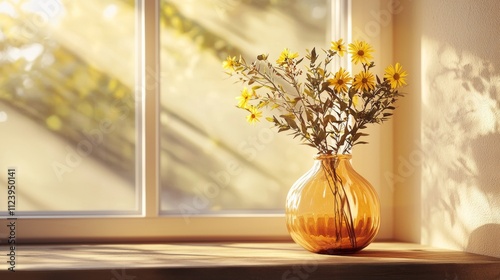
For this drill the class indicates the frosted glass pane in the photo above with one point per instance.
(68, 116)
(212, 161)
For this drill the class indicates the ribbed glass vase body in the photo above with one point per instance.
(332, 209)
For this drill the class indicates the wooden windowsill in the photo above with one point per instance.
(238, 261)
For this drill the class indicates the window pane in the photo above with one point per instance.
(211, 160)
(68, 116)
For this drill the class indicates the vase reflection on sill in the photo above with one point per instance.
(332, 209)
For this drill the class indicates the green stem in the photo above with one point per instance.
(268, 80)
(341, 201)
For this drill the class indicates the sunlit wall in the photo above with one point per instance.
(449, 138)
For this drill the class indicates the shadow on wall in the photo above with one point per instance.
(461, 136)
(484, 240)
(486, 151)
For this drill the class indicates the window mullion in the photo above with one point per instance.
(150, 87)
(341, 28)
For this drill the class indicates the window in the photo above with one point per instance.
(211, 161)
(68, 94)
(173, 163)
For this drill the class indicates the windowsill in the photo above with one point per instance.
(388, 260)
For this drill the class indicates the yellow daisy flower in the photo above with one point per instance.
(340, 80)
(285, 56)
(395, 75)
(229, 63)
(364, 81)
(360, 51)
(243, 98)
(339, 47)
(254, 115)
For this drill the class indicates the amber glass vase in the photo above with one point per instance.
(332, 209)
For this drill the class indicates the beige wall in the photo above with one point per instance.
(447, 132)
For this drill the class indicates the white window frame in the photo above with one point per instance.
(150, 225)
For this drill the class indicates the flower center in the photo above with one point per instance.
(252, 116)
(361, 53)
(396, 76)
(340, 82)
(364, 80)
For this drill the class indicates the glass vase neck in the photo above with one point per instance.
(333, 157)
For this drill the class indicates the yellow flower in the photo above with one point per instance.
(243, 98)
(340, 80)
(395, 75)
(285, 56)
(339, 47)
(355, 100)
(254, 115)
(364, 81)
(360, 51)
(229, 63)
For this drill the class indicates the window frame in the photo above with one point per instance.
(149, 225)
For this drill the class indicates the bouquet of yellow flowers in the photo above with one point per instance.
(331, 208)
(326, 109)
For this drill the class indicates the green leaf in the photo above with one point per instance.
(328, 120)
(309, 116)
(290, 120)
(328, 104)
(283, 128)
(342, 105)
(324, 86)
(314, 56)
(303, 128)
(320, 137)
(342, 139)
(262, 56)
